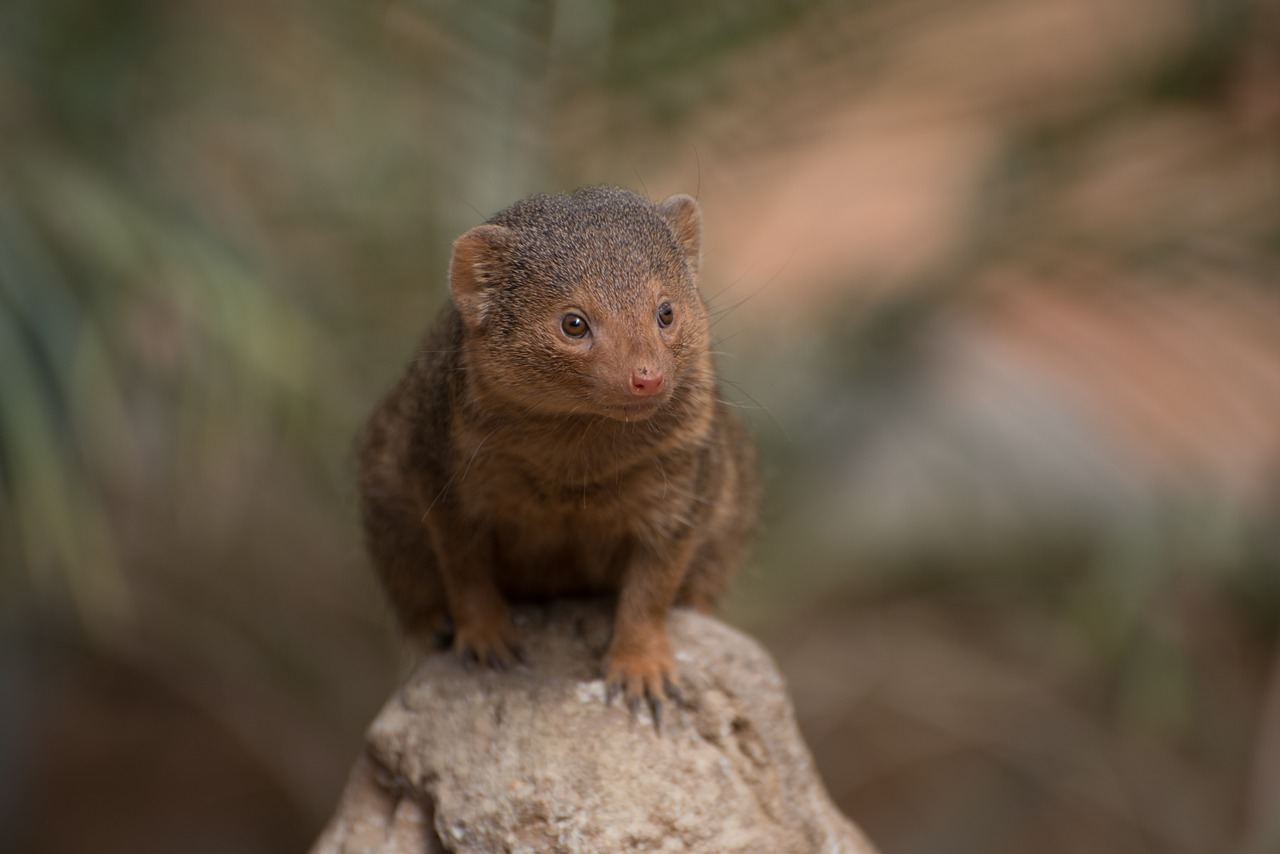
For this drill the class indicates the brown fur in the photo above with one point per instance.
(514, 462)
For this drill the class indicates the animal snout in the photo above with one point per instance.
(645, 383)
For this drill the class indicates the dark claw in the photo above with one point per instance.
(633, 704)
(611, 692)
(469, 657)
(673, 691)
(495, 661)
(518, 653)
(655, 708)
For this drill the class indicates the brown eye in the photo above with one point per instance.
(574, 325)
(666, 314)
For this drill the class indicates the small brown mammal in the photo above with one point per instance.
(562, 432)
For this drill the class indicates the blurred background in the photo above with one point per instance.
(996, 284)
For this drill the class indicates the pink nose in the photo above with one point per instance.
(646, 386)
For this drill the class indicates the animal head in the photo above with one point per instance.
(585, 303)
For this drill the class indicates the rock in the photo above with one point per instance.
(467, 760)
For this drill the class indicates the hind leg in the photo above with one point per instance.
(418, 599)
(406, 565)
(483, 629)
(710, 570)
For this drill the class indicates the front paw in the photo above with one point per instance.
(492, 641)
(644, 672)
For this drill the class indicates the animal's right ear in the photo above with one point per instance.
(477, 262)
(685, 220)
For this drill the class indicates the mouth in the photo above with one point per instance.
(637, 411)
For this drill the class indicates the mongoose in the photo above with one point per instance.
(562, 432)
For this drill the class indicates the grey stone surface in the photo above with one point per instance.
(467, 760)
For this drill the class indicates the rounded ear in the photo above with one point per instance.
(682, 215)
(474, 269)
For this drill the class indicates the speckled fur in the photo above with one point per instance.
(513, 463)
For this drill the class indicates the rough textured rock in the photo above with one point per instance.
(473, 761)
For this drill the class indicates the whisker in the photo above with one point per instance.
(476, 452)
(727, 339)
(697, 193)
(719, 314)
(760, 406)
(636, 170)
(665, 482)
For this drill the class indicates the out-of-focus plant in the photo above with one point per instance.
(133, 341)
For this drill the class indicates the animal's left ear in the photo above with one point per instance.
(474, 270)
(682, 215)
